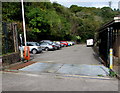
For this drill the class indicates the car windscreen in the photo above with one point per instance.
(37, 44)
(62, 42)
(43, 43)
(50, 42)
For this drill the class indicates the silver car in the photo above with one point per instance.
(50, 43)
(46, 46)
(34, 47)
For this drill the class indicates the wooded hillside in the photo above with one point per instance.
(45, 20)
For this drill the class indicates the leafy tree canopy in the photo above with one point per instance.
(46, 20)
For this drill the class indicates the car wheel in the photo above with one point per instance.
(34, 51)
(55, 48)
(46, 49)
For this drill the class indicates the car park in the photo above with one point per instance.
(34, 47)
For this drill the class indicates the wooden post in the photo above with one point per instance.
(119, 51)
(15, 37)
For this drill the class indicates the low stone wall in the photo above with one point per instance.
(10, 59)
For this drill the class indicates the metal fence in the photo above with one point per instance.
(9, 38)
(103, 45)
(0, 39)
(109, 38)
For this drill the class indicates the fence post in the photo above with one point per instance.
(108, 41)
(17, 49)
(5, 37)
(15, 36)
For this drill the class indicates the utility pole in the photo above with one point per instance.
(23, 16)
(110, 3)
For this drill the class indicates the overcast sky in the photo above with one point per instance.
(88, 3)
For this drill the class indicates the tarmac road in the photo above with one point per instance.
(78, 54)
(30, 82)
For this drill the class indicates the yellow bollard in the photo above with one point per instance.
(111, 58)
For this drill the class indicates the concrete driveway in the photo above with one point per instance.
(75, 60)
(61, 70)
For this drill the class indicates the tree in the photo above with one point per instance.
(11, 11)
(46, 20)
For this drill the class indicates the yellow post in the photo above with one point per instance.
(111, 58)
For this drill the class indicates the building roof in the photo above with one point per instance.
(114, 23)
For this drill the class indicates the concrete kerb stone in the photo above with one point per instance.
(89, 77)
(9, 66)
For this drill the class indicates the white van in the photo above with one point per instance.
(89, 42)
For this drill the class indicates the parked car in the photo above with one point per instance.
(70, 43)
(73, 42)
(46, 46)
(64, 43)
(34, 47)
(58, 42)
(57, 45)
(51, 43)
(48, 41)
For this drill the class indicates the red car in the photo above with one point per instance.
(64, 43)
